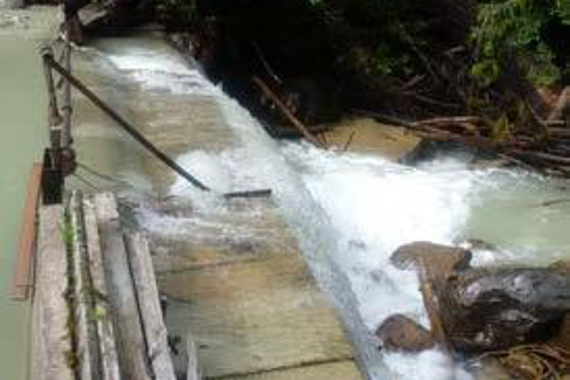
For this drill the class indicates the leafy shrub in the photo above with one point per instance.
(514, 30)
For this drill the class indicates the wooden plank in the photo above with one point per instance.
(156, 336)
(23, 273)
(340, 370)
(126, 321)
(253, 316)
(86, 344)
(51, 344)
(107, 347)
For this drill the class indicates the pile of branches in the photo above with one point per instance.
(544, 147)
(534, 361)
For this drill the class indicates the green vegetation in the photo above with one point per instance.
(517, 30)
(413, 58)
(69, 237)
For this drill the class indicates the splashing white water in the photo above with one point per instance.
(161, 70)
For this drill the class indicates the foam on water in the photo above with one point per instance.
(375, 206)
(348, 212)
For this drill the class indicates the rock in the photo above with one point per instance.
(498, 308)
(432, 260)
(475, 310)
(429, 150)
(398, 332)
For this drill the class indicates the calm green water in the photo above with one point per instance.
(22, 121)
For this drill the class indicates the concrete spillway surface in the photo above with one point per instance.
(221, 263)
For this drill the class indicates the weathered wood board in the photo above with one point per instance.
(23, 273)
(50, 334)
(121, 293)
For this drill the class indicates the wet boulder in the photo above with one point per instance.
(430, 259)
(400, 333)
(493, 309)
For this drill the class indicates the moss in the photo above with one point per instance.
(69, 237)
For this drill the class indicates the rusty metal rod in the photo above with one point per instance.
(66, 102)
(124, 124)
(248, 194)
(53, 111)
(139, 137)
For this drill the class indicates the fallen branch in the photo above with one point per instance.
(430, 101)
(348, 142)
(450, 120)
(541, 156)
(562, 106)
(287, 112)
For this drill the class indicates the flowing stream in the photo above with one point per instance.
(349, 211)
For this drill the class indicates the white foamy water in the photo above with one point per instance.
(161, 70)
(375, 206)
(351, 211)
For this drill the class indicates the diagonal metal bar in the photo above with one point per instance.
(123, 123)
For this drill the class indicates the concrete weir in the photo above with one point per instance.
(243, 306)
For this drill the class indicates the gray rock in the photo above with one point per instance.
(431, 260)
(503, 307)
(398, 332)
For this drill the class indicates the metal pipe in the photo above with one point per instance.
(124, 124)
(139, 137)
(66, 106)
(53, 111)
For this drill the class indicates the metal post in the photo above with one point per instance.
(52, 178)
(66, 106)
